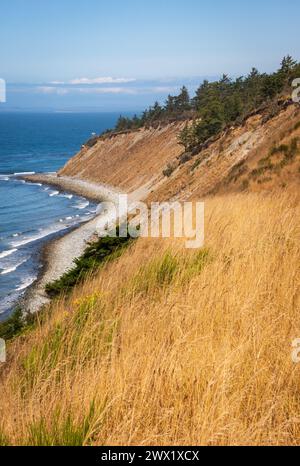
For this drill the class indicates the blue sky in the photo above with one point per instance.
(131, 52)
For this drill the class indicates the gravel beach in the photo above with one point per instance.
(59, 254)
(92, 191)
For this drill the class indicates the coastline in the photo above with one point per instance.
(58, 254)
(92, 191)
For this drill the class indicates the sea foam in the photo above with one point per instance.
(7, 253)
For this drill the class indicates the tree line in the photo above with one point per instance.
(217, 104)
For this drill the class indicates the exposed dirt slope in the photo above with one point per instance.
(127, 161)
(242, 158)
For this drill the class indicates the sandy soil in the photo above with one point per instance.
(128, 161)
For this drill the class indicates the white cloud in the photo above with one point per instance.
(101, 80)
(83, 90)
(104, 80)
(57, 82)
(52, 90)
(107, 90)
(93, 90)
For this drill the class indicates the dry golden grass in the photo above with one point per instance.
(168, 346)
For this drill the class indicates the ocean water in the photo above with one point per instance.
(31, 214)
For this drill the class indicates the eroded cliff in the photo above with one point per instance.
(259, 154)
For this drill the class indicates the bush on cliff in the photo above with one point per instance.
(16, 324)
(96, 254)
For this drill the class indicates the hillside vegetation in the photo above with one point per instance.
(166, 346)
(218, 104)
(149, 343)
(218, 141)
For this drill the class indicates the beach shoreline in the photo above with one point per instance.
(58, 254)
(92, 191)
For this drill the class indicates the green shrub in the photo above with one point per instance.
(92, 142)
(195, 264)
(3, 440)
(96, 255)
(164, 271)
(264, 161)
(156, 273)
(245, 185)
(15, 324)
(264, 180)
(12, 326)
(168, 170)
(283, 148)
(293, 149)
(196, 164)
(185, 157)
(61, 432)
(297, 126)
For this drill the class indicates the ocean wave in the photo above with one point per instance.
(68, 196)
(13, 268)
(6, 176)
(41, 235)
(24, 173)
(7, 253)
(54, 193)
(26, 283)
(81, 205)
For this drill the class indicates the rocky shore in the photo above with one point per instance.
(58, 255)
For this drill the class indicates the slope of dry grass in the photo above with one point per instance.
(169, 346)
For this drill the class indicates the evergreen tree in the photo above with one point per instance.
(200, 98)
(136, 122)
(218, 104)
(170, 105)
(185, 138)
(122, 123)
(287, 64)
(157, 111)
(182, 101)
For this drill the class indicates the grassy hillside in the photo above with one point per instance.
(169, 346)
